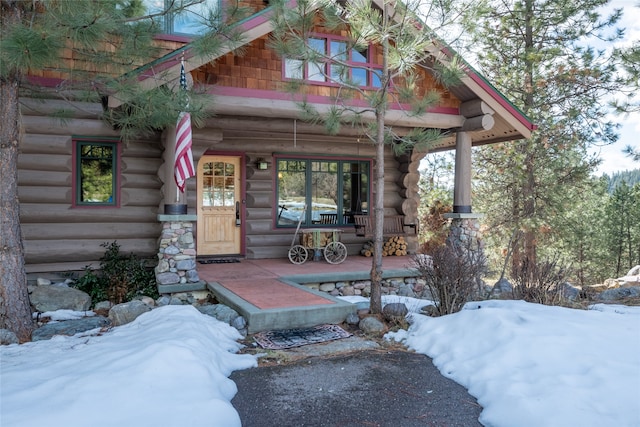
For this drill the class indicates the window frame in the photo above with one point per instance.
(330, 40)
(308, 198)
(168, 21)
(78, 143)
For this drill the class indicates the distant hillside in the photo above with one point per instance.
(631, 177)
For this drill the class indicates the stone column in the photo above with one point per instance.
(464, 231)
(177, 268)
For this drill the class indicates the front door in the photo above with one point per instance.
(219, 205)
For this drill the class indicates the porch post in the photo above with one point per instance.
(462, 180)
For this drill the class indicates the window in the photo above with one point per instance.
(190, 20)
(332, 190)
(96, 173)
(359, 66)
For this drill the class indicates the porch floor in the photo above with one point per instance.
(271, 295)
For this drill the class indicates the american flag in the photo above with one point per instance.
(183, 168)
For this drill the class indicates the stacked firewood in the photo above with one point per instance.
(393, 246)
(317, 239)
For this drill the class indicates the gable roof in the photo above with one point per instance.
(509, 123)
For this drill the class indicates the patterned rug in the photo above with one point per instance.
(217, 260)
(289, 338)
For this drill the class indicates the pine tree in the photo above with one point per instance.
(537, 52)
(406, 47)
(108, 38)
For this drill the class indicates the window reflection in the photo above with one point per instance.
(218, 184)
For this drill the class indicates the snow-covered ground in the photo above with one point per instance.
(528, 365)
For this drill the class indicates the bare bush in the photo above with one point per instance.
(539, 282)
(453, 276)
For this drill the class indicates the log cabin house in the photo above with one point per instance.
(257, 163)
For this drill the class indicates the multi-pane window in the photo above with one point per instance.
(321, 192)
(96, 173)
(341, 64)
(218, 184)
(188, 20)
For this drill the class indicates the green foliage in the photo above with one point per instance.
(623, 228)
(121, 277)
(538, 52)
(631, 178)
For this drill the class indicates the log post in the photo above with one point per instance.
(462, 180)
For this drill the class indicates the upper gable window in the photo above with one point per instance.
(190, 20)
(359, 67)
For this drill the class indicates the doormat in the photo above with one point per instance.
(218, 260)
(289, 338)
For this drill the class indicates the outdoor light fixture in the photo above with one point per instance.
(262, 164)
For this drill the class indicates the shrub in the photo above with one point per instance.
(453, 276)
(539, 282)
(121, 278)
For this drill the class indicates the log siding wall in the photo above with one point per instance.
(70, 237)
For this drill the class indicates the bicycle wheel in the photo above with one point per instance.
(298, 254)
(335, 252)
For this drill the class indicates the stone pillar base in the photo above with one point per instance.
(464, 231)
(176, 267)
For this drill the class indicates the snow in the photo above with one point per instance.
(169, 367)
(535, 365)
(527, 364)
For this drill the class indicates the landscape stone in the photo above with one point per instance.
(167, 278)
(7, 337)
(619, 293)
(221, 312)
(371, 325)
(52, 298)
(569, 292)
(395, 311)
(352, 319)
(127, 312)
(41, 281)
(69, 327)
(103, 305)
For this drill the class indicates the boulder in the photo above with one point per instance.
(8, 337)
(127, 312)
(220, 311)
(395, 311)
(619, 293)
(69, 327)
(371, 325)
(502, 287)
(52, 298)
(352, 319)
(570, 292)
(635, 271)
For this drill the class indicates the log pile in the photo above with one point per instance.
(393, 246)
(317, 239)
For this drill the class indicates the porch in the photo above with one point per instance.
(276, 294)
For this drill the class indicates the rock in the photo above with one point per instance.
(371, 325)
(167, 278)
(327, 287)
(619, 293)
(8, 337)
(239, 323)
(502, 287)
(147, 300)
(406, 291)
(52, 298)
(69, 327)
(569, 292)
(127, 312)
(103, 305)
(221, 312)
(429, 310)
(395, 311)
(41, 281)
(352, 319)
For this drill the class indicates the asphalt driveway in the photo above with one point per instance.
(372, 387)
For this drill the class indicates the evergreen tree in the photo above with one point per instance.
(108, 38)
(537, 52)
(623, 229)
(406, 43)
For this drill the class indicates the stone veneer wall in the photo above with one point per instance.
(414, 287)
(176, 253)
(464, 231)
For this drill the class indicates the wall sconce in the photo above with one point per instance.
(262, 164)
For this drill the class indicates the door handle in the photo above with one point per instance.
(238, 222)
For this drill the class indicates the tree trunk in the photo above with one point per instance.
(15, 310)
